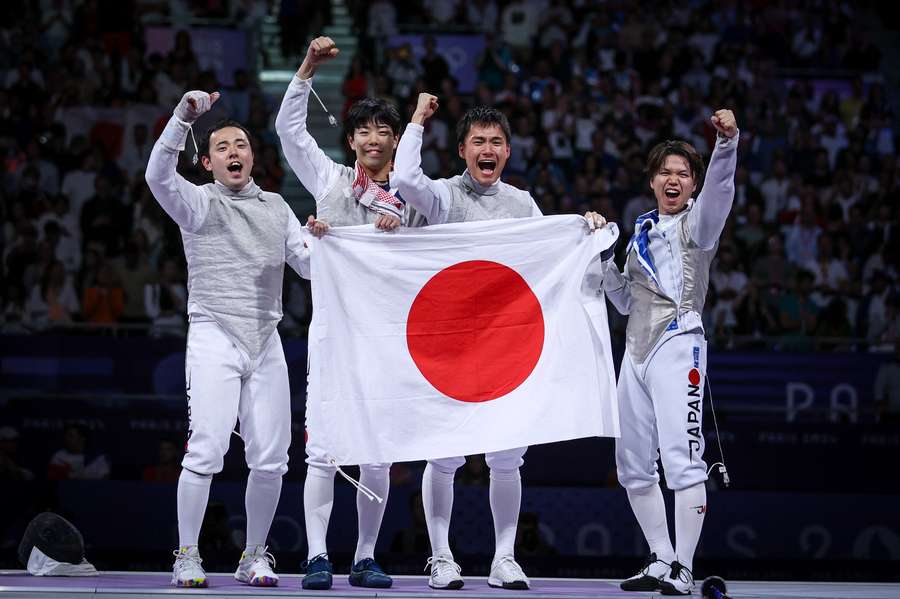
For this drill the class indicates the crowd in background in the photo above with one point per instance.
(808, 257)
(810, 253)
(83, 240)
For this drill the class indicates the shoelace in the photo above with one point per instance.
(306, 564)
(264, 555)
(369, 564)
(515, 565)
(183, 560)
(682, 574)
(652, 559)
(441, 563)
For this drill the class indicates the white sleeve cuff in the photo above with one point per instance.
(174, 134)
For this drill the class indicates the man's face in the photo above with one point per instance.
(374, 145)
(673, 184)
(230, 157)
(485, 151)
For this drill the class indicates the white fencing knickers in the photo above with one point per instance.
(224, 386)
(661, 414)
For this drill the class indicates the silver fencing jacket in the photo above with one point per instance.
(455, 200)
(329, 183)
(671, 299)
(235, 242)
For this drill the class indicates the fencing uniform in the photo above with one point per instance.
(463, 199)
(660, 387)
(236, 244)
(331, 184)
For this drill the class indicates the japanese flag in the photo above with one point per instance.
(458, 339)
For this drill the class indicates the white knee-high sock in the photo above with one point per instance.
(260, 501)
(369, 513)
(318, 498)
(650, 510)
(437, 500)
(506, 500)
(690, 510)
(193, 495)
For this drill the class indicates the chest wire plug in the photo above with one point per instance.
(331, 120)
(196, 149)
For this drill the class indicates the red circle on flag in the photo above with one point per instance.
(475, 330)
(694, 376)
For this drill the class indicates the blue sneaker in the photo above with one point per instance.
(318, 572)
(367, 573)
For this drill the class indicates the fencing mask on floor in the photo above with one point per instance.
(52, 546)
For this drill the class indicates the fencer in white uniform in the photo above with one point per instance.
(344, 196)
(477, 194)
(662, 290)
(237, 239)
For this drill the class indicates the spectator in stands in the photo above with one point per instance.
(442, 12)
(750, 234)
(797, 313)
(434, 67)
(104, 217)
(10, 469)
(134, 272)
(53, 301)
(730, 284)
(754, 315)
(403, 71)
(829, 270)
(78, 183)
(482, 15)
(874, 317)
(166, 301)
(73, 462)
(57, 233)
(14, 317)
(168, 466)
(519, 24)
(802, 237)
(104, 299)
(136, 153)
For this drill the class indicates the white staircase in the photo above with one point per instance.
(274, 79)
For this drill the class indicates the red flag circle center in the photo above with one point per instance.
(475, 330)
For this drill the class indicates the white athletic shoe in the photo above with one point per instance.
(648, 579)
(506, 573)
(680, 581)
(445, 573)
(257, 568)
(187, 571)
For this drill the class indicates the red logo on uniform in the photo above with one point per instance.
(694, 376)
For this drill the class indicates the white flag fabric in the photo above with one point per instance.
(458, 339)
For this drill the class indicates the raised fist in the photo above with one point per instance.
(193, 104)
(724, 122)
(426, 106)
(321, 50)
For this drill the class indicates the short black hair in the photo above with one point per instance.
(675, 148)
(372, 110)
(484, 116)
(221, 124)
